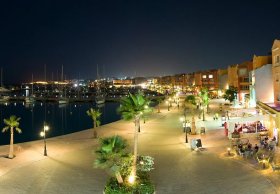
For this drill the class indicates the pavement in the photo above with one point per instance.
(68, 168)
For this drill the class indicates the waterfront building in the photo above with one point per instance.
(180, 81)
(238, 77)
(207, 79)
(222, 81)
(260, 80)
(276, 70)
(122, 82)
(167, 84)
(190, 82)
(272, 106)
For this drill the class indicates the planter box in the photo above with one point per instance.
(104, 192)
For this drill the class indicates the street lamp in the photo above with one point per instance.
(43, 134)
(186, 125)
(167, 103)
(170, 102)
(228, 151)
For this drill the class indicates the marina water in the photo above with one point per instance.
(62, 119)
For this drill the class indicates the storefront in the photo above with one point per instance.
(253, 126)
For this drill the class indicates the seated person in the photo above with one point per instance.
(256, 148)
(266, 138)
(271, 145)
(249, 146)
(262, 142)
(265, 145)
(240, 146)
(241, 151)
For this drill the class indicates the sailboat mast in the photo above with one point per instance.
(1, 77)
(45, 70)
(62, 73)
(32, 85)
(97, 72)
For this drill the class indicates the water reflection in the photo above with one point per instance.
(63, 118)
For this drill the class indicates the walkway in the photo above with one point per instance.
(68, 168)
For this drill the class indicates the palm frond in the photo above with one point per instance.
(18, 130)
(5, 129)
(13, 121)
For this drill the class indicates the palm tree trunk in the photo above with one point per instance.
(193, 132)
(119, 177)
(203, 114)
(94, 130)
(137, 124)
(11, 152)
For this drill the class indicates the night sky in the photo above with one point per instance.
(131, 38)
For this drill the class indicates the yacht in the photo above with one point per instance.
(4, 98)
(29, 100)
(99, 99)
(63, 101)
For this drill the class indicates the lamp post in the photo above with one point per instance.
(186, 125)
(167, 103)
(228, 151)
(202, 112)
(43, 134)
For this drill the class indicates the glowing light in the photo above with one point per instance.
(46, 128)
(42, 134)
(131, 179)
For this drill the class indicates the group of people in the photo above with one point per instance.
(250, 150)
(247, 148)
(268, 144)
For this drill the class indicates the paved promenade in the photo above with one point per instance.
(68, 167)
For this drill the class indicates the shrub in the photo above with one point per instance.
(140, 187)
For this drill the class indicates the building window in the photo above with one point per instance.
(204, 76)
(277, 59)
(210, 76)
(244, 87)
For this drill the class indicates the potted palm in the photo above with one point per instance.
(113, 156)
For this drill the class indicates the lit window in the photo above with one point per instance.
(204, 76)
(277, 59)
(210, 76)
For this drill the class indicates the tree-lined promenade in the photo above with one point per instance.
(69, 165)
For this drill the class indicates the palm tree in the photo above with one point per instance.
(112, 155)
(159, 100)
(11, 123)
(191, 103)
(131, 108)
(204, 100)
(95, 115)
